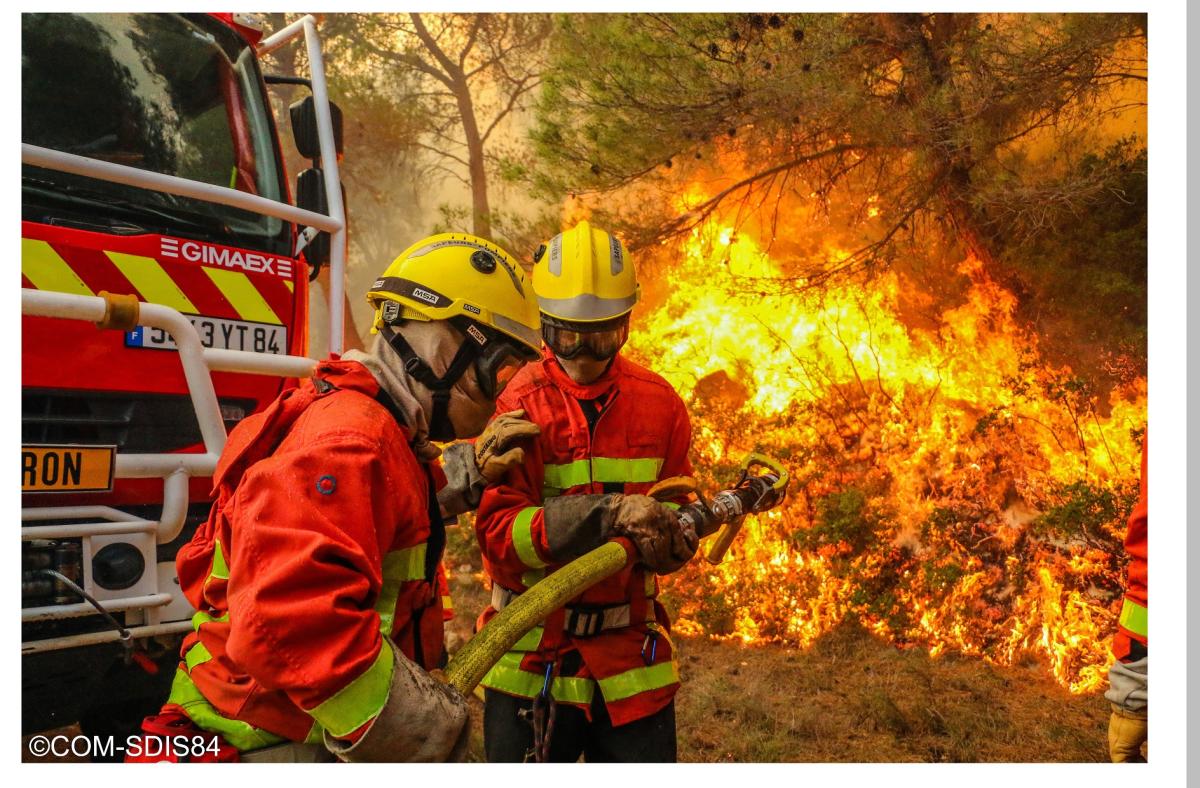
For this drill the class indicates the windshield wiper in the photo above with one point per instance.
(169, 219)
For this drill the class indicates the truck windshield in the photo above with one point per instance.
(173, 94)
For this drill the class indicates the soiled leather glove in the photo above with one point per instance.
(423, 720)
(493, 454)
(655, 531)
(1126, 735)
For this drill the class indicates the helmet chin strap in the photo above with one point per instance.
(440, 428)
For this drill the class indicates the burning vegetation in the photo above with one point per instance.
(951, 489)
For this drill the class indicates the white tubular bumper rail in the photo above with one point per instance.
(175, 469)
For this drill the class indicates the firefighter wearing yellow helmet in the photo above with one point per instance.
(476, 288)
(333, 492)
(602, 668)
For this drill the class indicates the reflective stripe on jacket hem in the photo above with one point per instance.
(638, 680)
(1134, 617)
(242, 735)
(507, 676)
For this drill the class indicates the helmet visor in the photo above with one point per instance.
(602, 343)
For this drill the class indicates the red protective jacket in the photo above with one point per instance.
(642, 434)
(1132, 624)
(319, 542)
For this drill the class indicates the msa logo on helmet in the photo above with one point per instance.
(472, 309)
(477, 335)
(425, 295)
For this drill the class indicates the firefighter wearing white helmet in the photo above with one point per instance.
(316, 573)
(610, 430)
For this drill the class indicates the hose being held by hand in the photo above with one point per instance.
(751, 495)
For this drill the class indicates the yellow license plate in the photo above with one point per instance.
(67, 468)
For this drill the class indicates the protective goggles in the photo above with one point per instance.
(601, 341)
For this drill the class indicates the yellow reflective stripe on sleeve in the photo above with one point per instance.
(220, 569)
(507, 676)
(360, 700)
(612, 470)
(650, 586)
(1134, 618)
(633, 682)
(41, 265)
(196, 655)
(242, 735)
(242, 295)
(152, 282)
(207, 618)
(670, 504)
(399, 566)
(522, 537)
(447, 603)
(562, 476)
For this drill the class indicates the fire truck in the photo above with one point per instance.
(165, 270)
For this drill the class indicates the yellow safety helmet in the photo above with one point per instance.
(476, 287)
(585, 275)
(454, 274)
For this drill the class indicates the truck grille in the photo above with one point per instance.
(135, 423)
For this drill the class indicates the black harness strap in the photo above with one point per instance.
(440, 428)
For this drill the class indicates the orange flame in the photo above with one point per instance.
(934, 471)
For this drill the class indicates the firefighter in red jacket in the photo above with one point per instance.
(598, 679)
(1127, 675)
(315, 576)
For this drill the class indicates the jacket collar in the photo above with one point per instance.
(598, 387)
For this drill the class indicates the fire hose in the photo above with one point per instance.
(752, 494)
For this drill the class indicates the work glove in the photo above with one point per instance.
(423, 720)
(1126, 735)
(469, 469)
(495, 454)
(655, 530)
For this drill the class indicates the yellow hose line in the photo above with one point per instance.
(471, 664)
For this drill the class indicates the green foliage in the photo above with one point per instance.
(842, 517)
(1086, 279)
(888, 135)
(1082, 510)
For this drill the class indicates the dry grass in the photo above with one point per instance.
(851, 698)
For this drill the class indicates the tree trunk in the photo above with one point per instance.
(922, 44)
(481, 215)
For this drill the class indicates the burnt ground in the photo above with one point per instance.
(854, 698)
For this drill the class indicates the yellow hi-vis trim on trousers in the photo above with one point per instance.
(1134, 617)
